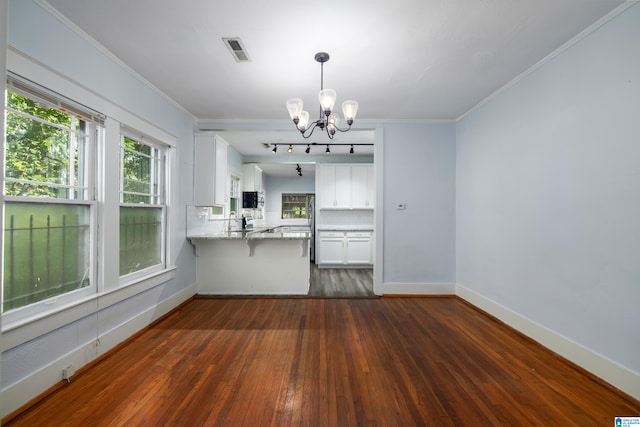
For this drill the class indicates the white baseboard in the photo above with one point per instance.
(15, 395)
(396, 288)
(616, 375)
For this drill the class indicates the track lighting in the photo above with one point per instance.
(291, 146)
(299, 170)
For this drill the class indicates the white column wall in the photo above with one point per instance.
(548, 203)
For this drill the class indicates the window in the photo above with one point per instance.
(48, 237)
(296, 205)
(142, 206)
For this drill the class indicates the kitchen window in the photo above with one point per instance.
(296, 205)
(49, 209)
(142, 205)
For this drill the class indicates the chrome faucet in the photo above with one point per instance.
(229, 220)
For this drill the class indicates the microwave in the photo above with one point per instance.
(252, 200)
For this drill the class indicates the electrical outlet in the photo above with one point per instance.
(67, 372)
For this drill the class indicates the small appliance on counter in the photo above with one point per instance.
(252, 200)
(247, 222)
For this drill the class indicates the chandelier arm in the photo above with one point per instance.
(342, 130)
(309, 130)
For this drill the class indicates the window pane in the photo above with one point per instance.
(295, 206)
(140, 238)
(47, 251)
(42, 151)
(140, 174)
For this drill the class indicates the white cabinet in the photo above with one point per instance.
(330, 247)
(344, 248)
(358, 247)
(345, 186)
(210, 170)
(251, 178)
(362, 187)
(335, 186)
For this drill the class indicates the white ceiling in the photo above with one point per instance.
(402, 59)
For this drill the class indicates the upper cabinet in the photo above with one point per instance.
(210, 170)
(362, 186)
(345, 186)
(251, 178)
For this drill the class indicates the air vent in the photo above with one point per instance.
(237, 49)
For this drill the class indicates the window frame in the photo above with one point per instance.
(161, 200)
(109, 292)
(308, 212)
(94, 137)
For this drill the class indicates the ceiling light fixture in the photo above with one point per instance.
(308, 149)
(275, 148)
(327, 150)
(351, 150)
(290, 149)
(299, 169)
(328, 120)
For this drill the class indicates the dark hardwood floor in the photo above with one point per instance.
(341, 282)
(330, 362)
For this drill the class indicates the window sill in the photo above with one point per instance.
(26, 329)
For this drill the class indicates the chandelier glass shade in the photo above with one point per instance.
(328, 120)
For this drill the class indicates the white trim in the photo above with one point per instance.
(15, 395)
(619, 376)
(378, 212)
(21, 332)
(399, 288)
(106, 52)
(577, 38)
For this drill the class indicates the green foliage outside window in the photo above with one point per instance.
(46, 245)
(40, 146)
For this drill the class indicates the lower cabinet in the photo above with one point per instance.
(344, 248)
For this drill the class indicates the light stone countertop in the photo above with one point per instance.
(252, 235)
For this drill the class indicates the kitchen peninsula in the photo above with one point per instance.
(271, 261)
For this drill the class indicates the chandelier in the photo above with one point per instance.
(328, 120)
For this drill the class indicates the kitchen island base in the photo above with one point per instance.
(252, 267)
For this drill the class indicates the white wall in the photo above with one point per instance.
(419, 242)
(274, 186)
(548, 203)
(38, 37)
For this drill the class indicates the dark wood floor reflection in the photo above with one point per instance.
(330, 362)
(341, 282)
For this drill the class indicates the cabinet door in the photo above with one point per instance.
(370, 188)
(343, 186)
(326, 186)
(210, 170)
(221, 191)
(358, 248)
(362, 186)
(331, 248)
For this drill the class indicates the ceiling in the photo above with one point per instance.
(401, 60)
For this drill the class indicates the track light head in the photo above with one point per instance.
(275, 148)
(327, 150)
(290, 149)
(308, 149)
(351, 150)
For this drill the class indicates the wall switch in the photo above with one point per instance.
(401, 206)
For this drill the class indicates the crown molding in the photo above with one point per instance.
(575, 39)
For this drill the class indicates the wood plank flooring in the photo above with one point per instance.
(341, 282)
(330, 362)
